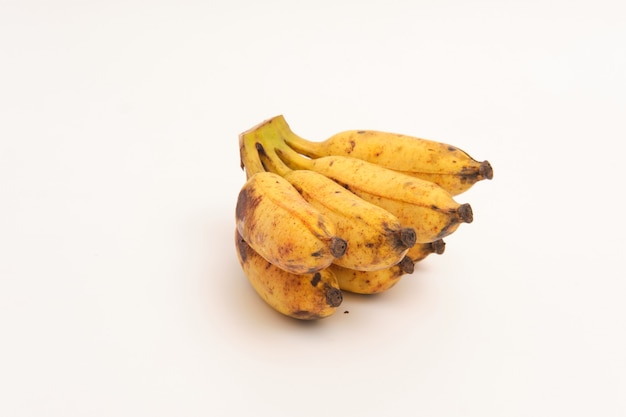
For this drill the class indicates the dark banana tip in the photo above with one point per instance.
(485, 170)
(465, 213)
(438, 246)
(334, 296)
(338, 247)
(407, 265)
(408, 237)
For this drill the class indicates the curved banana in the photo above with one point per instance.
(375, 237)
(422, 250)
(449, 167)
(283, 227)
(417, 203)
(372, 282)
(301, 296)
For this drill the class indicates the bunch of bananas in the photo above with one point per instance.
(352, 213)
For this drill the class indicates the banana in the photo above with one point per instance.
(449, 167)
(375, 237)
(417, 203)
(301, 296)
(372, 282)
(283, 227)
(422, 250)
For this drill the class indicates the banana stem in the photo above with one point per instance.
(274, 138)
(303, 146)
(261, 141)
(248, 153)
(292, 158)
(271, 161)
(268, 143)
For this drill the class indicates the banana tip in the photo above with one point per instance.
(338, 247)
(438, 246)
(407, 265)
(408, 237)
(465, 213)
(334, 297)
(485, 170)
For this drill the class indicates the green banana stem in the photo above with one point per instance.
(303, 146)
(271, 161)
(248, 154)
(290, 157)
(267, 140)
(272, 138)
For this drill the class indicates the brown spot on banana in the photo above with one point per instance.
(242, 246)
(246, 202)
(317, 277)
(448, 229)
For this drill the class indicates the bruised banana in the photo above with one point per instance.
(301, 296)
(375, 237)
(372, 282)
(417, 203)
(279, 224)
(445, 165)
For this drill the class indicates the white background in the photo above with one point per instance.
(120, 291)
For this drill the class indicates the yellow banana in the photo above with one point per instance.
(375, 237)
(301, 296)
(417, 203)
(422, 250)
(443, 164)
(283, 227)
(371, 282)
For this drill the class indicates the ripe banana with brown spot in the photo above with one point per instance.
(417, 203)
(301, 296)
(375, 238)
(283, 227)
(421, 250)
(372, 282)
(443, 164)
